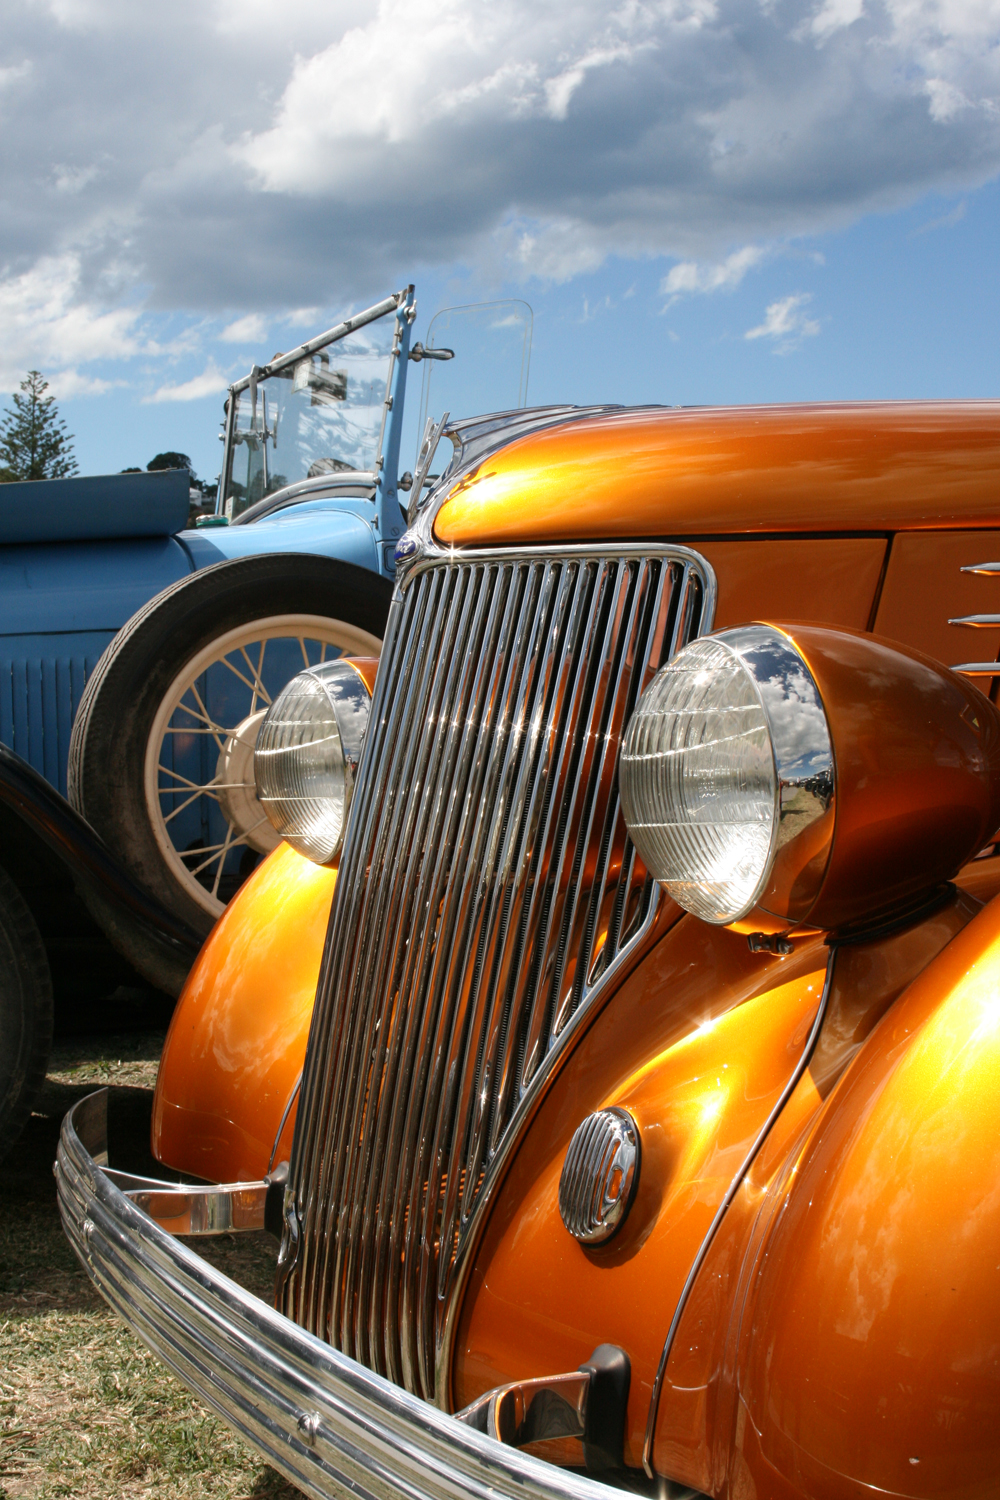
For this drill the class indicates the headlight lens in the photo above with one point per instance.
(725, 762)
(307, 755)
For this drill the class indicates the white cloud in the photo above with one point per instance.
(947, 99)
(236, 165)
(690, 276)
(557, 250)
(68, 383)
(52, 323)
(308, 22)
(944, 221)
(14, 73)
(209, 383)
(832, 16)
(301, 317)
(466, 67)
(560, 89)
(72, 179)
(786, 324)
(248, 330)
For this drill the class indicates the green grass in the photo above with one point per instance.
(85, 1409)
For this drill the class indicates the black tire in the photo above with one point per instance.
(134, 680)
(25, 1012)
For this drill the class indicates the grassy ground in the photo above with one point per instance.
(85, 1409)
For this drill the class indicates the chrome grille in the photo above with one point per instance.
(487, 883)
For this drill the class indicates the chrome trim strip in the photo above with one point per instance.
(978, 622)
(428, 448)
(281, 1123)
(328, 1424)
(358, 484)
(723, 1209)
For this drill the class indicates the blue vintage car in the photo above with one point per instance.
(294, 567)
(138, 657)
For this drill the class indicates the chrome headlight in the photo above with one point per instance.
(307, 756)
(727, 777)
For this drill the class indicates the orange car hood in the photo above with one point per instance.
(711, 471)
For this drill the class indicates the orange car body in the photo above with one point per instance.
(842, 1336)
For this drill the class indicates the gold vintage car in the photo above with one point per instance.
(646, 1134)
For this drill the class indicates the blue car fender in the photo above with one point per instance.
(326, 530)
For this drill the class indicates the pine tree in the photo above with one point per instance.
(34, 443)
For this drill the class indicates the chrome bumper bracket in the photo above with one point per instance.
(589, 1403)
(178, 1207)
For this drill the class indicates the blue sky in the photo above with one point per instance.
(702, 201)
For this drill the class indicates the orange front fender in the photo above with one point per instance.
(697, 1044)
(237, 1041)
(869, 1351)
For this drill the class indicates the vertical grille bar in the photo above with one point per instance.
(404, 1043)
(381, 918)
(389, 925)
(335, 1039)
(487, 884)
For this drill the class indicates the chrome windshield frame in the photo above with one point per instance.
(403, 304)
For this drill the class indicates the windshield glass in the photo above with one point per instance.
(489, 372)
(320, 416)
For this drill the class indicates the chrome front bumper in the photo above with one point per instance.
(330, 1425)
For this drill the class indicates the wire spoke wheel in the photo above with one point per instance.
(198, 775)
(161, 755)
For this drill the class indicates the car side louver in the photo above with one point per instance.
(978, 622)
(486, 888)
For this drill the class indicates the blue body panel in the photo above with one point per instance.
(60, 605)
(84, 585)
(42, 679)
(61, 602)
(100, 506)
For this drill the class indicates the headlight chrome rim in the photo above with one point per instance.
(795, 778)
(307, 756)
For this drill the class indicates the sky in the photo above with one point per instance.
(701, 200)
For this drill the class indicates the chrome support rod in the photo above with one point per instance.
(432, 436)
(222, 1208)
